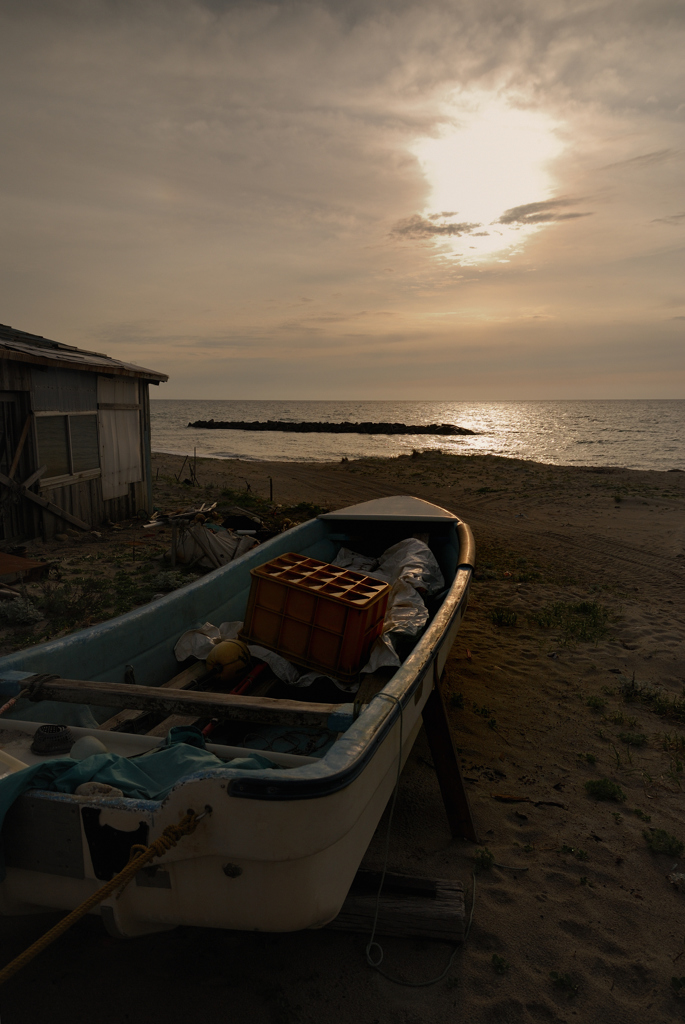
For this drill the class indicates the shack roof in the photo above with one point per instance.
(33, 348)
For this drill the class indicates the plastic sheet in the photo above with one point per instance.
(211, 548)
(347, 559)
(413, 561)
(407, 614)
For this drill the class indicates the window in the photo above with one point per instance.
(67, 444)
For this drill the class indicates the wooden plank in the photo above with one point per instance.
(20, 447)
(38, 500)
(34, 476)
(446, 763)
(184, 702)
(409, 907)
(181, 681)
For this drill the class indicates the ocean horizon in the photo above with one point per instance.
(630, 433)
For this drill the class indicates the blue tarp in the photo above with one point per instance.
(149, 776)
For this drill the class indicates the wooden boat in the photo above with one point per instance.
(281, 846)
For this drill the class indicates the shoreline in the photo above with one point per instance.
(600, 467)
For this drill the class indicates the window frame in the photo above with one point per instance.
(70, 477)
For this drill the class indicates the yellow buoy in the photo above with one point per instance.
(229, 660)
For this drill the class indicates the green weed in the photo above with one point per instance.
(172, 579)
(564, 982)
(503, 616)
(483, 860)
(633, 739)
(579, 622)
(571, 851)
(499, 964)
(660, 841)
(641, 814)
(596, 703)
(655, 700)
(604, 789)
(673, 741)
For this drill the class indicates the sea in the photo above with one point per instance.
(634, 434)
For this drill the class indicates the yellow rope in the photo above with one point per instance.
(139, 856)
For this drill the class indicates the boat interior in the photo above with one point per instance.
(287, 724)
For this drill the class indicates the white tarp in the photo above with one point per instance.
(120, 455)
(210, 548)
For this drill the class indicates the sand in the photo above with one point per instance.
(575, 889)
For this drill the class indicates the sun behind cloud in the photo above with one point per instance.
(490, 176)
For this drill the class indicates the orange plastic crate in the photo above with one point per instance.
(315, 614)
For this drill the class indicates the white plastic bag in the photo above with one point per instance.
(199, 642)
(413, 561)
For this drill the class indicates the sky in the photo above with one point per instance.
(314, 199)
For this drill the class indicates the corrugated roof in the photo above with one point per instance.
(33, 348)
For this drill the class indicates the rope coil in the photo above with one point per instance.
(139, 856)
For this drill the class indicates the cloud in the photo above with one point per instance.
(546, 212)
(676, 219)
(419, 227)
(645, 158)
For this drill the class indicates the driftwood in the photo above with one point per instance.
(181, 702)
(409, 907)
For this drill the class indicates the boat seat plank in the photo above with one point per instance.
(182, 681)
(162, 728)
(261, 687)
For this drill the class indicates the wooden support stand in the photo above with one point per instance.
(447, 767)
(409, 907)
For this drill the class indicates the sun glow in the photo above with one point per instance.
(489, 160)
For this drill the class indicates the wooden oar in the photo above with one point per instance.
(188, 702)
(182, 681)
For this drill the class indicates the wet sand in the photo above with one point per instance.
(537, 712)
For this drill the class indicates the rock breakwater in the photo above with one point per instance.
(443, 429)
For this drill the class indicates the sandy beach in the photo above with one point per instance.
(569, 669)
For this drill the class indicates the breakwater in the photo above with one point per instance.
(442, 429)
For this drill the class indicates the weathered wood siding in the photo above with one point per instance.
(18, 519)
(21, 520)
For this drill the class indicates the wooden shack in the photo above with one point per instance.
(74, 437)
